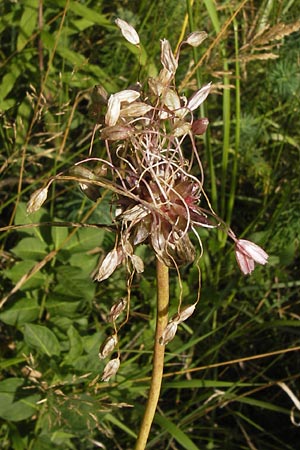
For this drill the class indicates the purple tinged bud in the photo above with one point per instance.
(200, 126)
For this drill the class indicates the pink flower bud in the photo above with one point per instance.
(110, 369)
(128, 32)
(247, 254)
(200, 126)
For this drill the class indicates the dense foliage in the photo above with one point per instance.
(232, 368)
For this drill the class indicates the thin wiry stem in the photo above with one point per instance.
(162, 274)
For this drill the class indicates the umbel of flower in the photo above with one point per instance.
(158, 198)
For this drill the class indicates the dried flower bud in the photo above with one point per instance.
(247, 254)
(117, 309)
(113, 110)
(172, 100)
(200, 126)
(108, 346)
(37, 199)
(198, 98)
(128, 95)
(128, 32)
(110, 369)
(109, 264)
(137, 263)
(168, 333)
(184, 314)
(167, 57)
(181, 128)
(117, 132)
(136, 109)
(99, 95)
(196, 38)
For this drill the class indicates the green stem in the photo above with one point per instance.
(162, 275)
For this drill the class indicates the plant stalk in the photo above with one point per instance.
(162, 276)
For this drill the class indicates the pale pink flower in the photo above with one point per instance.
(247, 254)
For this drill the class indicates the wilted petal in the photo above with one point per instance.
(117, 309)
(116, 132)
(168, 333)
(108, 265)
(247, 254)
(167, 57)
(108, 346)
(110, 369)
(36, 200)
(128, 95)
(196, 38)
(136, 109)
(172, 100)
(181, 128)
(113, 110)
(128, 32)
(198, 98)
(137, 263)
(185, 313)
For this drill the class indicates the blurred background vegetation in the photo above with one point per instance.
(222, 369)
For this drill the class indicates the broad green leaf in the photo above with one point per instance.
(76, 346)
(22, 268)
(22, 311)
(58, 307)
(42, 339)
(31, 248)
(14, 404)
(28, 23)
(8, 81)
(59, 235)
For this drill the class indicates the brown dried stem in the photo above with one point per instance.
(162, 274)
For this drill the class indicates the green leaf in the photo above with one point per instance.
(14, 405)
(31, 248)
(42, 339)
(22, 311)
(22, 268)
(76, 346)
(27, 24)
(181, 437)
